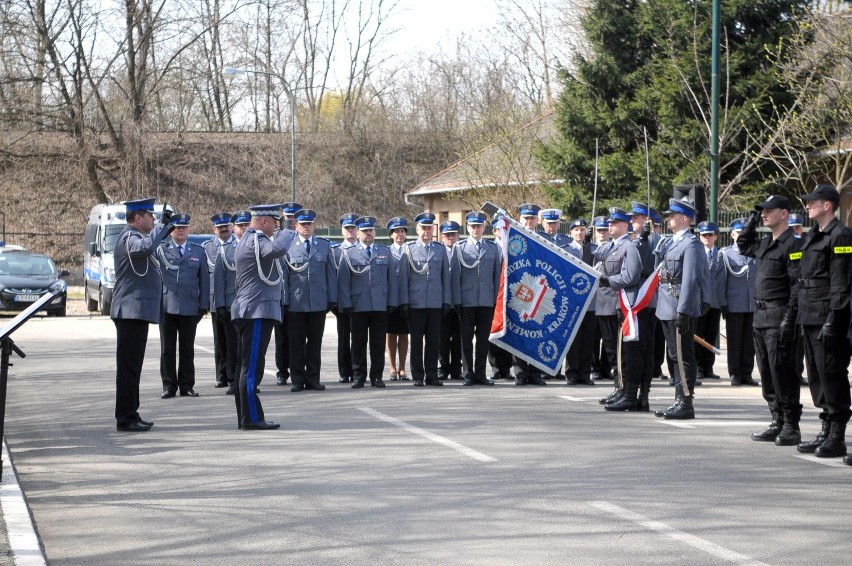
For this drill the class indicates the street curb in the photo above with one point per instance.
(23, 540)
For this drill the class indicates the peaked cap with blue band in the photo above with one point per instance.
(425, 218)
(273, 210)
(475, 217)
(350, 219)
(551, 215)
(366, 222)
(241, 217)
(180, 220)
(305, 216)
(221, 219)
(529, 209)
(142, 204)
(577, 223)
(600, 222)
(794, 220)
(397, 222)
(681, 207)
(618, 215)
(738, 224)
(291, 208)
(449, 227)
(707, 227)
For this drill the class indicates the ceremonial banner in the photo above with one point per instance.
(544, 294)
(630, 326)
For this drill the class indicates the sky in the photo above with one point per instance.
(423, 24)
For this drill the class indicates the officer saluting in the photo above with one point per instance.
(224, 333)
(425, 295)
(282, 337)
(257, 307)
(311, 292)
(475, 276)
(367, 289)
(681, 298)
(824, 316)
(135, 304)
(186, 299)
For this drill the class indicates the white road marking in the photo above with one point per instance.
(830, 462)
(23, 541)
(678, 535)
(667, 398)
(429, 435)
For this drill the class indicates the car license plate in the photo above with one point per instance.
(26, 298)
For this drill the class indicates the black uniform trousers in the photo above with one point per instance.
(687, 343)
(345, 345)
(282, 347)
(828, 375)
(305, 330)
(778, 378)
(475, 326)
(177, 351)
(609, 337)
(372, 327)
(637, 355)
(254, 335)
(740, 343)
(800, 353)
(659, 347)
(450, 363)
(131, 338)
(425, 327)
(648, 340)
(578, 360)
(707, 327)
(500, 360)
(225, 348)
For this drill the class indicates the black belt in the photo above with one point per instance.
(814, 283)
(673, 281)
(763, 305)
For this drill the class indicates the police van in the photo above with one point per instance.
(105, 223)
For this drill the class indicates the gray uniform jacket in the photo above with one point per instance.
(717, 279)
(225, 276)
(211, 249)
(138, 283)
(623, 266)
(475, 275)
(311, 288)
(256, 297)
(186, 280)
(740, 279)
(366, 285)
(560, 240)
(398, 256)
(425, 276)
(684, 278)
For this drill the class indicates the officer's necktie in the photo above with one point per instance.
(180, 249)
(710, 257)
(369, 252)
(308, 247)
(478, 248)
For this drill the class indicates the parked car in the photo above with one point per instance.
(25, 277)
(4, 247)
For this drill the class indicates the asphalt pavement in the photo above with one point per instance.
(403, 475)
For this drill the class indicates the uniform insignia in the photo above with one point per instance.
(843, 249)
(795, 256)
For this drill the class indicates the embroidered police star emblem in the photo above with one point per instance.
(531, 298)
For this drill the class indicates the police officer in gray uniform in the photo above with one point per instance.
(551, 218)
(601, 366)
(682, 297)
(449, 357)
(425, 295)
(257, 307)
(622, 269)
(397, 335)
(367, 289)
(224, 291)
(579, 359)
(475, 277)
(526, 373)
(282, 337)
(186, 299)
(136, 303)
(349, 231)
(224, 333)
(708, 324)
(644, 225)
(738, 309)
(312, 292)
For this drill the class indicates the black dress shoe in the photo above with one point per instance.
(231, 389)
(418, 383)
(468, 381)
(220, 384)
(317, 387)
(167, 394)
(189, 393)
(749, 380)
(297, 388)
(146, 423)
(280, 380)
(378, 383)
(261, 425)
(434, 382)
(538, 380)
(345, 379)
(484, 381)
(132, 427)
(357, 384)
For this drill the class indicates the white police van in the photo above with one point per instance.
(105, 223)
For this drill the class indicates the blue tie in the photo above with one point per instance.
(369, 252)
(308, 247)
(478, 247)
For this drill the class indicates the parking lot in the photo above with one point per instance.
(451, 475)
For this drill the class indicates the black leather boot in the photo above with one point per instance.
(835, 443)
(809, 446)
(612, 397)
(770, 433)
(627, 402)
(683, 411)
(678, 400)
(642, 403)
(790, 434)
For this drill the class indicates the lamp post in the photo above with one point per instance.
(230, 73)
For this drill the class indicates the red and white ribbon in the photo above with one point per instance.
(630, 326)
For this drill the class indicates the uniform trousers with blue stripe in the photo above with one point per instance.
(254, 335)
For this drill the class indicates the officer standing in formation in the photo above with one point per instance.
(349, 231)
(257, 307)
(795, 223)
(708, 324)
(282, 337)
(601, 368)
(824, 283)
(224, 292)
(449, 360)
(499, 359)
(425, 296)
(682, 297)
(580, 356)
(136, 302)
(397, 337)
(224, 333)
(367, 289)
(475, 275)
(186, 299)
(776, 299)
(740, 287)
(644, 221)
